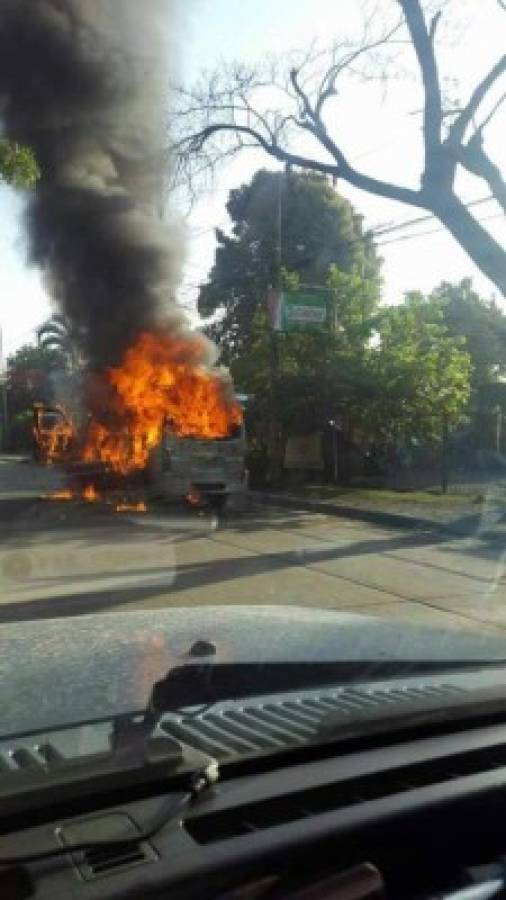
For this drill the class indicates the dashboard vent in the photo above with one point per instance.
(29, 758)
(98, 862)
(228, 731)
(253, 817)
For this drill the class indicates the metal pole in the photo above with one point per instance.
(274, 462)
(335, 453)
(498, 429)
(444, 456)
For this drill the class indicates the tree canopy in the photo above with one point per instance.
(405, 380)
(18, 166)
(29, 372)
(420, 372)
(31, 358)
(388, 374)
(59, 333)
(483, 325)
(319, 230)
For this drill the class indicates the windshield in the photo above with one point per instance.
(50, 420)
(253, 341)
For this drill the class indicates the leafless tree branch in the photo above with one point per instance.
(328, 87)
(458, 129)
(473, 157)
(423, 45)
(492, 112)
(433, 25)
(266, 108)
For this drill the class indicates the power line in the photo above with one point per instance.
(409, 237)
(381, 232)
(194, 285)
(400, 225)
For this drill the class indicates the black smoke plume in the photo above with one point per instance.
(84, 83)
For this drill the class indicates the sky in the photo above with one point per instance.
(379, 132)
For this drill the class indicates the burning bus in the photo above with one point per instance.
(111, 249)
(53, 433)
(212, 470)
(158, 419)
(198, 470)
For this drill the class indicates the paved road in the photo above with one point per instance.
(66, 558)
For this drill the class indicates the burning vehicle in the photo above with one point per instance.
(200, 469)
(159, 420)
(154, 408)
(53, 433)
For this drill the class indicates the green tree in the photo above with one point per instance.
(320, 373)
(60, 334)
(483, 325)
(316, 368)
(481, 322)
(18, 166)
(421, 375)
(410, 382)
(29, 372)
(354, 301)
(319, 230)
(31, 358)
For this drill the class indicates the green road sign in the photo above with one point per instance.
(303, 310)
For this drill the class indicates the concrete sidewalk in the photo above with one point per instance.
(464, 518)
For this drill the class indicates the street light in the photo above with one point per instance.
(334, 425)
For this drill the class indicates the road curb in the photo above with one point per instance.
(460, 528)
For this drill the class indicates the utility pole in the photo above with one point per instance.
(274, 449)
(444, 455)
(335, 451)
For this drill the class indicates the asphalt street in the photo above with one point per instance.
(72, 557)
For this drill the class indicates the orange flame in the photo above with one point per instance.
(53, 440)
(131, 507)
(90, 494)
(160, 380)
(63, 494)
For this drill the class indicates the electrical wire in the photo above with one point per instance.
(194, 285)
(388, 229)
(376, 232)
(200, 782)
(409, 237)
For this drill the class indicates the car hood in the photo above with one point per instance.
(58, 671)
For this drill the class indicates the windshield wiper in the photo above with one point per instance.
(200, 684)
(406, 714)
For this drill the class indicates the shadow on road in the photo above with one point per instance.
(460, 526)
(27, 521)
(186, 577)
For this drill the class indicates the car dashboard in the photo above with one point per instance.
(414, 815)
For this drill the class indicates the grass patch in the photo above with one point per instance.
(383, 496)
